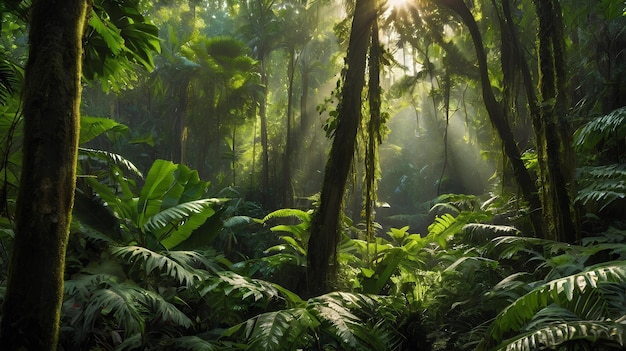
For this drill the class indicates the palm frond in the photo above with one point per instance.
(10, 79)
(109, 160)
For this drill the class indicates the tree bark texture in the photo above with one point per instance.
(558, 179)
(496, 115)
(325, 231)
(51, 120)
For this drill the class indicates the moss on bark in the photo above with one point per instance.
(51, 121)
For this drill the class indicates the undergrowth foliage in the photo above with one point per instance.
(153, 273)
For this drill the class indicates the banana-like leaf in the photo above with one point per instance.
(175, 224)
(92, 127)
(159, 180)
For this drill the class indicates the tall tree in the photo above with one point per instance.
(553, 135)
(496, 115)
(51, 119)
(325, 226)
(261, 32)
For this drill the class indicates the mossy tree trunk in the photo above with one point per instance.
(325, 231)
(497, 117)
(557, 161)
(51, 120)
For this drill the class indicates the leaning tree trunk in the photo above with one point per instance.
(51, 120)
(325, 227)
(496, 115)
(558, 159)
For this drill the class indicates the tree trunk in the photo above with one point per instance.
(555, 139)
(290, 142)
(51, 120)
(496, 115)
(325, 227)
(374, 134)
(265, 163)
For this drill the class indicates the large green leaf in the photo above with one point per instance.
(108, 32)
(91, 127)
(159, 180)
(174, 225)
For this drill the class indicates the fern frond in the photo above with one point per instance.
(338, 310)
(196, 260)
(272, 331)
(303, 216)
(191, 343)
(554, 335)
(607, 127)
(151, 261)
(602, 185)
(164, 310)
(81, 285)
(559, 291)
(119, 302)
(481, 233)
(232, 284)
(442, 228)
(508, 246)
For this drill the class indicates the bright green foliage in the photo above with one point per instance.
(120, 37)
(602, 131)
(587, 294)
(293, 249)
(345, 320)
(602, 185)
(168, 209)
(602, 180)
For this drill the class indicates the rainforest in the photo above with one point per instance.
(312, 175)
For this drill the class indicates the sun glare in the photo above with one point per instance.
(397, 3)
